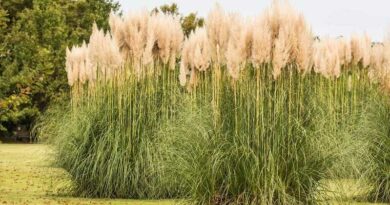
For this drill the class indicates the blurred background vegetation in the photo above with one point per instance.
(33, 37)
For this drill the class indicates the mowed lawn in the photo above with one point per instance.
(26, 177)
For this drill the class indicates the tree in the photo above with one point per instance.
(172, 9)
(189, 23)
(33, 39)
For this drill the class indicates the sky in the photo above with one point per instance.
(327, 17)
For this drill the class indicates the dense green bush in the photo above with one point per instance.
(33, 38)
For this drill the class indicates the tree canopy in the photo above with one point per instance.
(189, 23)
(33, 37)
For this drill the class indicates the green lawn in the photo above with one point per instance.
(27, 178)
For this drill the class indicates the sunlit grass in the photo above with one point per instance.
(27, 178)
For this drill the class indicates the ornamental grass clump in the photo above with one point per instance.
(242, 111)
(123, 88)
(261, 134)
(293, 89)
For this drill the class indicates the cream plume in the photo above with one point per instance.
(344, 51)
(361, 49)
(104, 53)
(200, 50)
(233, 55)
(356, 49)
(377, 62)
(282, 17)
(117, 28)
(217, 25)
(195, 54)
(184, 71)
(247, 39)
(164, 40)
(304, 49)
(77, 64)
(262, 41)
(384, 72)
(366, 41)
(326, 58)
(291, 36)
(69, 66)
(281, 52)
(135, 34)
(83, 68)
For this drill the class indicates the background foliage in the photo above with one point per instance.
(33, 38)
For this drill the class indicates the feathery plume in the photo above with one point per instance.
(200, 53)
(361, 49)
(283, 17)
(184, 71)
(69, 67)
(280, 15)
(164, 40)
(217, 25)
(384, 72)
(195, 55)
(326, 58)
(247, 39)
(116, 24)
(377, 62)
(82, 61)
(275, 16)
(133, 38)
(262, 41)
(304, 47)
(334, 60)
(344, 51)
(366, 41)
(135, 34)
(318, 51)
(104, 53)
(234, 54)
(77, 64)
(291, 36)
(356, 49)
(281, 52)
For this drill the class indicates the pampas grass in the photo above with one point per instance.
(281, 52)
(195, 58)
(217, 25)
(243, 111)
(262, 41)
(118, 109)
(260, 126)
